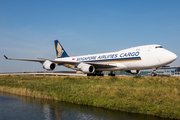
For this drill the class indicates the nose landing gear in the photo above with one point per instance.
(154, 73)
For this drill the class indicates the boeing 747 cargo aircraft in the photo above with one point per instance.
(131, 60)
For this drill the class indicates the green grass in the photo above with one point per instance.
(158, 96)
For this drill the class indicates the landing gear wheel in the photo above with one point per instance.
(100, 74)
(154, 73)
(96, 73)
(91, 74)
(111, 74)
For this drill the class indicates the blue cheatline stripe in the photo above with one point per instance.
(120, 59)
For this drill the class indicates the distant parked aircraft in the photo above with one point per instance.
(131, 60)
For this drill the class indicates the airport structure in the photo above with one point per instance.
(163, 71)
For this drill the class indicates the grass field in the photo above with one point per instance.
(159, 96)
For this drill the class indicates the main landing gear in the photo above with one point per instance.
(99, 73)
(96, 73)
(112, 73)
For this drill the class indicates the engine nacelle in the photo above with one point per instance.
(86, 68)
(133, 71)
(49, 65)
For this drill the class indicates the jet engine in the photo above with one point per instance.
(133, 71)
(86, 68)
(49, 65)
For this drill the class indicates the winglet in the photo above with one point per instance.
(60, 52)
(6, 57)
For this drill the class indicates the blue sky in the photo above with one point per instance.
(28, 28)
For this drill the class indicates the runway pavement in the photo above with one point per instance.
(44, 74)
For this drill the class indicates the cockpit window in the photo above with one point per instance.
(158, 47)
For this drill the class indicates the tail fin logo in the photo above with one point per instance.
(60, 50)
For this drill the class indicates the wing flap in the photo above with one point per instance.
(60, 62)
(102, 65)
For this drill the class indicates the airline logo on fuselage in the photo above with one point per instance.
(60, 50)
(109, 56)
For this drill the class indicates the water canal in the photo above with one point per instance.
(13, 107)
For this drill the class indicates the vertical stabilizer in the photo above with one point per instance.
(60, 52)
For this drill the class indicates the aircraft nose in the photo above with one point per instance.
(167, 57)
(171, 56)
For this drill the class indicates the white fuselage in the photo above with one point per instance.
(136, 58)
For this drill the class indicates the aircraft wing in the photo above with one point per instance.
(102, 65)
(42, 60)
(59, 62)
(33, 60)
